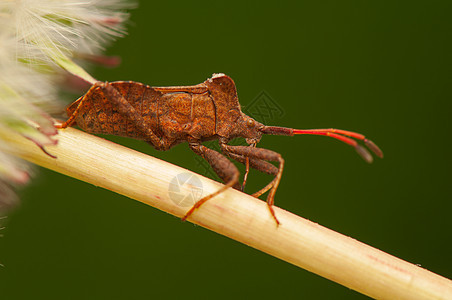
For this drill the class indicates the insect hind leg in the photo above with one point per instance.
(129, 112)
(70, 121)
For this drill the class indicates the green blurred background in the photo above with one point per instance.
(379, 68)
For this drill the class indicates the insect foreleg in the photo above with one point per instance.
(261, 154)
(258, 164)
(225, 169)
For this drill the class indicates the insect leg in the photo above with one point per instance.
(72, 117)
(262, 155)
(225, 169)
(258, 164)
(247, 171)
(246, 162)
(129, 112)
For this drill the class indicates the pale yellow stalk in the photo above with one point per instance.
(238, 216)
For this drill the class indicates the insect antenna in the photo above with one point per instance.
(339, 134)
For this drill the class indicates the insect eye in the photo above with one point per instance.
(250, 123)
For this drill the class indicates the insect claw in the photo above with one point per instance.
(364, 154)
(272, 212)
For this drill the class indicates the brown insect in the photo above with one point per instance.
(167, 116)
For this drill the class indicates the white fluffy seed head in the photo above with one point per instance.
(66, 26)
(37, 39)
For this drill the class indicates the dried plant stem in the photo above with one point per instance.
(238, 216)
